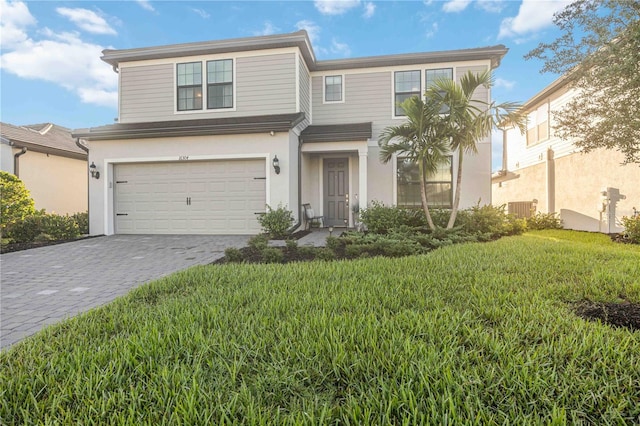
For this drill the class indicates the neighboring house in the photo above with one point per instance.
(200, 126)
(590, 191)
(53, 168)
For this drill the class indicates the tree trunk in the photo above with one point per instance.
(456, 199)
(423, 196)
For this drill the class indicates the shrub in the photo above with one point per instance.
(307, 252)
(233, 255)
(15, 201)
(489, 222)
(82, 219)
(259, 242)
(544, 221)
(272, 255)
(276, 222)
(632, 228)
(292, 246)
(381, 219)
(45, 227)
(334, 243)
(323, 253)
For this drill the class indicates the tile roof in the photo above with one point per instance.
(45, 137)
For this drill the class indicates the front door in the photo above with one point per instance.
(336, 195)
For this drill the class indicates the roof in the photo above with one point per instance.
(207, 126)
(337, 132)
(46, 138)
(547, 91)
(300, 39)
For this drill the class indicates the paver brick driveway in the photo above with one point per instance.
(45, 285)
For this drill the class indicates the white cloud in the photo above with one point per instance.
(145, 4)
(532, 16)
(493, 6)
(507, 84)
(340, 48)
(335, 7)
(63, 59)
(311, 28)
(369, 10)
(496, 150)
(203, 13)
(454, 6)
(267, 29)
(14, 19)
(432, 30)
(87, 20)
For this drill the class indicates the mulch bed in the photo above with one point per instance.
(625, 314)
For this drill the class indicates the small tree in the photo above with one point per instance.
(470, 120)
(423, 138)
(15, 201)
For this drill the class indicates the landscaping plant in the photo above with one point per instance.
(15, 201)
(544, 221)
(276, 222)
(632, 228)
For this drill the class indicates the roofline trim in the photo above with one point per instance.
(184, 128)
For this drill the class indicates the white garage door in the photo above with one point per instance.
(195, 197)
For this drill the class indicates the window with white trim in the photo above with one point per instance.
(439, 185)
(333, 88)
(433, 75)
(189, 81)
(406, 85)
(220, 84)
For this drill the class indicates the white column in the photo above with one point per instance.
(362, 177)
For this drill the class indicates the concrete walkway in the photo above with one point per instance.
(42, 286)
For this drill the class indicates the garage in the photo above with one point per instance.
(189, 197)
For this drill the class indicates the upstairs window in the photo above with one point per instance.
(333, 88)
(431, 76)
(220, 84)
(406, 84)
(538, 125)
(439, 185)
(189, 86)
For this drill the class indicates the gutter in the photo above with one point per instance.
(300, 211)
(85, 149)
(16, 161)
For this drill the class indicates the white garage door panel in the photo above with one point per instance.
(151, 198)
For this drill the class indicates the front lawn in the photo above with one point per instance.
(480, 333)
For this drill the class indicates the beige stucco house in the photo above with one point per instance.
(590, 192)
(49, 162)
(210, 133)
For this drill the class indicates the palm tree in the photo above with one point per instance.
(422, 139)
(470, 120)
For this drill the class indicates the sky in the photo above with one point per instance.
(50, 67)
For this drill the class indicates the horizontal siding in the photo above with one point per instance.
(146, 93)
(367, 98)
(481, 93)
(264, 85)
(305, 91)
(520, 155)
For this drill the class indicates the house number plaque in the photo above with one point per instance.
(183, 158)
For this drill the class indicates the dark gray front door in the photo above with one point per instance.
(336, 195)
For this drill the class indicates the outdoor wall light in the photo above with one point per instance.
(276, 164)
(272, 133)
(94, 171)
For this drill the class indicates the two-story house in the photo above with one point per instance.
(209, 133)
(590, 191)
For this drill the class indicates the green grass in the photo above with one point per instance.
(468, 334)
